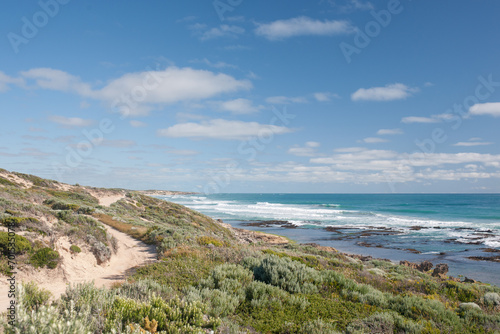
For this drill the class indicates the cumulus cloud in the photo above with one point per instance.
(222, 129)
(6, 81)
(308, 150)
(383, 132)
(397, 91)
(69, 122)
(224, 30)
(473, 142)
(417, 119)
(490, 109)
(324, 96)
(238, 106)
(137, 93)
(302, 26)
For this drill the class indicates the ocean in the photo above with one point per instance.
(441, 228)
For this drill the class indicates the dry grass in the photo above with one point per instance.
(135, 231)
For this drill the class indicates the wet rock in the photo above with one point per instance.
(491, 250)
(469, 280)
(441, 270)
(485, 258)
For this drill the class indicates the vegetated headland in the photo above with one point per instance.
(159, 267)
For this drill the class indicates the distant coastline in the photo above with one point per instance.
(165, 192)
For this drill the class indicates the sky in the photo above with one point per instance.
(295, 96)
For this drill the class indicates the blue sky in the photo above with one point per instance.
(253, 96)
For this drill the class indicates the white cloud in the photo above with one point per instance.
(416, 119)
(309, 150)
(6, 80)
(374, 140)
(383, 132)
(324, 96)
(222, 129)
(146, 90)
(473, 142)
(137, 124)
(48, 78)
(397, 91)
(70, 121)
(302, 26)
(313, 144)
(223, 30)
(490, 109)
(285, 99)
(238, 106)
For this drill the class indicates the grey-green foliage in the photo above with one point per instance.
(229, 285)
(317, 326)
(384, 323)
(491, 299)
(220, 303)
(287, 274)
(90, 301)
(143, 290)
(46, 319)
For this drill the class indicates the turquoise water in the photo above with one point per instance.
(444, 228)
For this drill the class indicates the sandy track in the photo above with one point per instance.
(83, 267)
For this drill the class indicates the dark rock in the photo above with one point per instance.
(441, 270)
(423, 266)
(469, 280)
(485, 258)
(491, 250)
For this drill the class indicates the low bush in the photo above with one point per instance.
(34, 297)
(205, 241)
(17, 245)
(46, 319)
(174, 316)
(75, 249)
(287, 274)
(45, 257)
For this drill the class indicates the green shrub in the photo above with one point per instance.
(34, 297)
(6, 182)
(15, 222)
(174, 316)
(65, 206)
(46, 320)
(21, 244)
(220, 303)
(45, 257)
(317, 326)
(491, 299)
(205, 241)
(143, 290)
(75, 249)
(85, 210)
(287, 274)
(384, 323)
